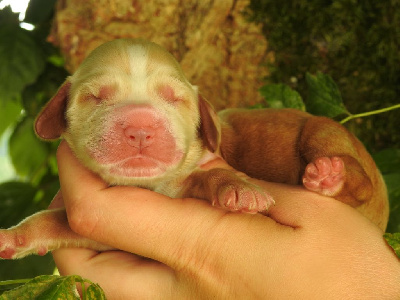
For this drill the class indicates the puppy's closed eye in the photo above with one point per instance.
(103, 93)
(167, 93)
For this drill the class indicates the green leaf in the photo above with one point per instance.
(56, 60)
(36, 95)
(7, 16)
(324, 98)
(27, 152)
(94, 292)
(394, 241)
(20, 58)
(282, 96)
(388, 160)
(392, 182)
(54, 287)
(39, 11)
(27, 267)
(9, 113)
(16, 202)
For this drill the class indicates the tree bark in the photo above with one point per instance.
(218, 49)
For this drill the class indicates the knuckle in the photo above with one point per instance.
(82, 218)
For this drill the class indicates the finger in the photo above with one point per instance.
(297, 207)
(70, 260)
(294, 205)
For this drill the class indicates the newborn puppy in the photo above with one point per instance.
(130, 115)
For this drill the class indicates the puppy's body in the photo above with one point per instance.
(287, 145)
(131, 116)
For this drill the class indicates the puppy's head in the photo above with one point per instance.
(130, 115)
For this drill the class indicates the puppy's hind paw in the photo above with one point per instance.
(325, 175)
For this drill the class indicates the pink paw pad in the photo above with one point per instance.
(13, 245)
(7, 253)
(42, 251)
(244, 198)
(325, 176)
(7, 244)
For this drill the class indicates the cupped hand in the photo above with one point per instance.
(308, 247)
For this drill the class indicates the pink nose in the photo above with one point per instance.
(139, 137)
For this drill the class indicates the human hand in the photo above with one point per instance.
(310, 246)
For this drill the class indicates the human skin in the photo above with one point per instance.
(308, 247)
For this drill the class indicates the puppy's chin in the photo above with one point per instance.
(119, 175)
(135, 170)
(138, 166)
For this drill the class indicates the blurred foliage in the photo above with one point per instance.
(52, 287)
(394, 242)
(388, 161)
(357, 42)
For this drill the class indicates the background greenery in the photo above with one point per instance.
(356, 42)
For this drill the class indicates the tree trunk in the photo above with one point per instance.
(218, 49)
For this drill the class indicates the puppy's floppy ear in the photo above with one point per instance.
(209, 129)
(51, 122)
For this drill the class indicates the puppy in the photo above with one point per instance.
(130, 115)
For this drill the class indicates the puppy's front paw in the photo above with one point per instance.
(14, 245)
(325, 176)
(242, 196)
(227, 188)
